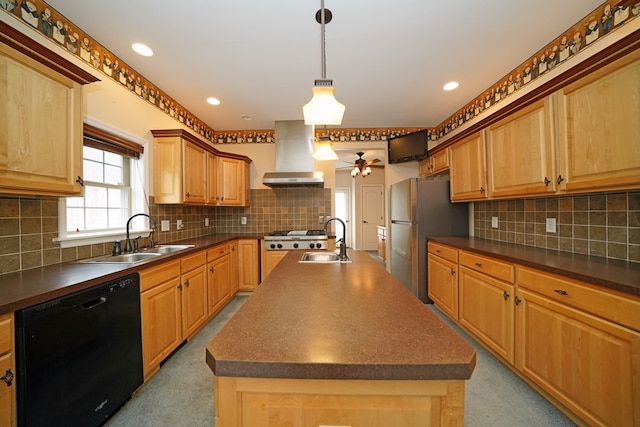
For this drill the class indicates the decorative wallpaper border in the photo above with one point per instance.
(41, 17)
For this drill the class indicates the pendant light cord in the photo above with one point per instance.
(323, 58)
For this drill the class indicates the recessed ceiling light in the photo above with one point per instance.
(142, 49)
(246, 117)
(213, 101)
(450, 86)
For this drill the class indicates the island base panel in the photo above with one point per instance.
(262, 402)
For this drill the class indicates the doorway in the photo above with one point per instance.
(372, 214)
(343, 211)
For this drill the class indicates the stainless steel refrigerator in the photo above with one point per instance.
(421, 208)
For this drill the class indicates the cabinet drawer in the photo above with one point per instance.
(443, 251)
(218, 251)
(489, 266)
(620, 309)
(190, 262)
(6, 333)
(156, 275)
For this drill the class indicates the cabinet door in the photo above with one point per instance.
(234, 267)
(248, 265)
(230, 182)
(588, 364)
(468, 169)
(218, 283)
(599, 130)
(269, 260)
(486, 309)
(194, 300)
(439, 161)
(194, 173)
(7, 391)
(520, 153)
(443, 284)
(212, 179)
(40, 128)
(161, 324)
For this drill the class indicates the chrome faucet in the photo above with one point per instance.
(343, 242)
(127, 243)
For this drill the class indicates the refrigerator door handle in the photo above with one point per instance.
(395, 221)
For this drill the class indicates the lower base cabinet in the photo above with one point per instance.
(264, 402)
(248, 264)
(590, 364)
(193, 293)
(218, 278)
(7, 372)
(443, 283)
(268, 261)
(161, 311)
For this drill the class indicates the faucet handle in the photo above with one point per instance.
(135, 243)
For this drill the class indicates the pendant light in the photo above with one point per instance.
(323, 109)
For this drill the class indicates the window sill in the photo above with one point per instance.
(86, 239)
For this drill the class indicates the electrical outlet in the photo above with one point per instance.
(165, 225)
(206, 222)
(179, 224)
(494, 222)
(320, 219)
(243, 220)
(551, 225)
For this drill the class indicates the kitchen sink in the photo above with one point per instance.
(167, 249)
(322, 258)
(122, 259)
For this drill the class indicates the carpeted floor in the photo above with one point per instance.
(181, 393)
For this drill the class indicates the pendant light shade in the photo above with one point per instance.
(324, 150)
(323, 109)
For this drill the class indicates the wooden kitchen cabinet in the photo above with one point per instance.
(219, 278)
(442, 278)
(486, 307)
(468, 170)
(231, 182)
(578, 343)
(193, 293)
(188, 171)
(598, 129)
(269, 259)
(180, 168)
(435, 163)
(248, 264)
(521, 153)
(7, 372)
(40, 124)
(161, 313)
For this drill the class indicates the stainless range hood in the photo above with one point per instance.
(294, 157)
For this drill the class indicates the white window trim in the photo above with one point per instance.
(138, 172)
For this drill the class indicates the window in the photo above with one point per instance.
(106, 204)
(113, 190)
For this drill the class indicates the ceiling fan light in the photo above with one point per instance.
(324, 151)
(323, 109)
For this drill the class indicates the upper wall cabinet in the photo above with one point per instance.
(468, 170)
(188, 171)
(435, 163)
(520, 153)
(40, 119)
(599, 129)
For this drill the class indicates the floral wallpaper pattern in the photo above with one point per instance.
(43, 18)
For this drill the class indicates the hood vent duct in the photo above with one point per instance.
(294, 157)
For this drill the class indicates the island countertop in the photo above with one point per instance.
(337, 321)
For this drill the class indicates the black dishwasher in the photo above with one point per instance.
(79, 357)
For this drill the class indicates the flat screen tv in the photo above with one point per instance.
(408, 147)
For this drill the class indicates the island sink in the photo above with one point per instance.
(322, 257)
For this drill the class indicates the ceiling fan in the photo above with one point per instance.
(362, 166)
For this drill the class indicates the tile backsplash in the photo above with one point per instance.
(600, 224)
(28, 225)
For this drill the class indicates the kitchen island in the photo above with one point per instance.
(337, 344)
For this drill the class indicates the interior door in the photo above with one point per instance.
(343, 211)
(372, 215)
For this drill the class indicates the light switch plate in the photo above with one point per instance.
(179, 224)
(551, 225)
(165, 225)
(494, 222)
(206, 222)
(243, 220)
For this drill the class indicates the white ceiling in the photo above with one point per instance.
(388, 60)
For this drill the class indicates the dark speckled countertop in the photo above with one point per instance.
(613, 274)
(30, 287)
(337, 321)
